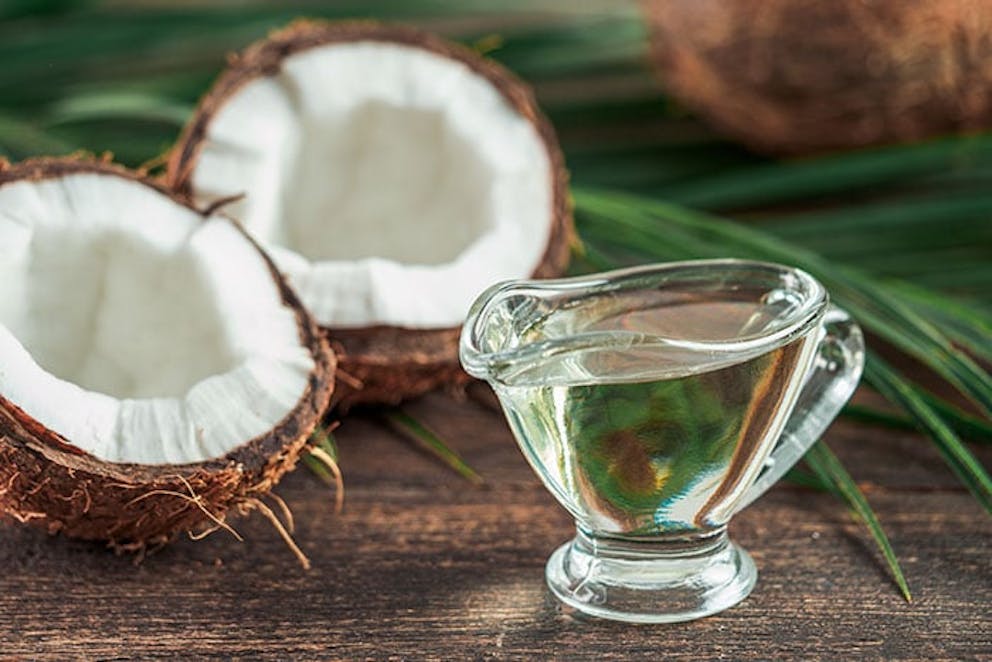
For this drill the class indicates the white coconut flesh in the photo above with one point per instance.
(135, 329)
(391, 184)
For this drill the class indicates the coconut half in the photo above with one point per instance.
(156, 372)
(392, 176)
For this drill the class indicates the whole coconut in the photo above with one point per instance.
(800, 76)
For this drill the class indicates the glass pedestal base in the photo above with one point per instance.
(661, 580)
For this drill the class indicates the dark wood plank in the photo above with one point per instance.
(421, 565)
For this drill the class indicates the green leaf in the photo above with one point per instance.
(874, 416)
(19, 139)
(119, 105)
(969, 427)
(964, 464)
(326, 442)
(842, 173)
(433, 443)
(315, 466)
(919, 233)
(906, 213)
(797, 476)
(829, 469)
(967, 324)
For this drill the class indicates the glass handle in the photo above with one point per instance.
(831, 382)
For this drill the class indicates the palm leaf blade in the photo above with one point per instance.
(829, 470)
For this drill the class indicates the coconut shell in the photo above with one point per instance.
(386, 364)
(47, 481)
(801, 76)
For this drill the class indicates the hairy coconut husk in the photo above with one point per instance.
(47, 481)
(386, 364)
(800, 76)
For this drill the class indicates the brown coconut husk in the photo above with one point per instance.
(802, 76)
(383, 364)
(46, 481)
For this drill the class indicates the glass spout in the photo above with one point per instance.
(499, 325)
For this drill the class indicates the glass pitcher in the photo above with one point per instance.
(655, 403)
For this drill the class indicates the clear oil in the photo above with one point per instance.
(638, 435)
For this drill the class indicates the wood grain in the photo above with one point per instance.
(423, 566)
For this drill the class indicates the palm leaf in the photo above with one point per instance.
(966, 426)
(433, 443)
(961, 461)
(829, 470)
(843, 173)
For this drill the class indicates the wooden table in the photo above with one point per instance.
(423, 565)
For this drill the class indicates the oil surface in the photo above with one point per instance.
(641, 435)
